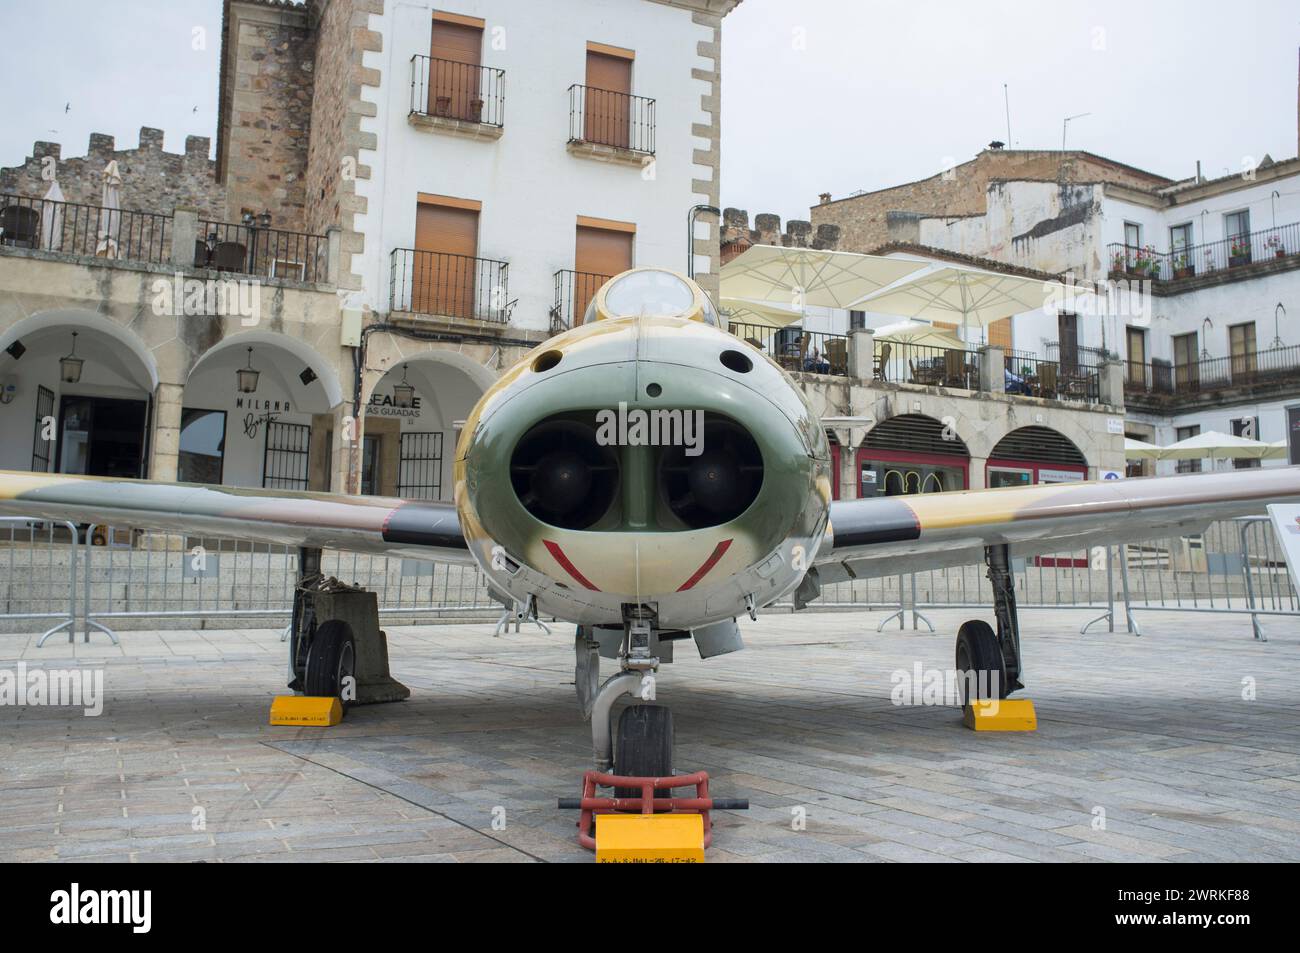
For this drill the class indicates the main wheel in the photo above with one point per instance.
(978, 652)
(331, 661)
(645, 745)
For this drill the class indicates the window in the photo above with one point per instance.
(602, 250)
(608, 101)
(1132, 235)
(370, 465)
(455, 52)
(445, 270)
(202, 447)
(1247, 427)
(1241, 344)
(1187, 372)
(1237, 224)
(1136, 339)
(1187, 466)
(1067, 329)
(1180, 247)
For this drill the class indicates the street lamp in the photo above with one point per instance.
(246, 377)
(70, 366)
(403, 393)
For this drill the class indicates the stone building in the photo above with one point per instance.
(382, 231)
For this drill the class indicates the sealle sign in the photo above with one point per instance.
(382, 405)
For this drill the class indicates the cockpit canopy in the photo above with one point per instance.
(652, 292)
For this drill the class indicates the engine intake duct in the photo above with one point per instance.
(562, 475)
(719, 483)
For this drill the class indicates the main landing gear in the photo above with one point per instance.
(989, 663)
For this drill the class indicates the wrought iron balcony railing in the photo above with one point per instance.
(446, 89)
(1270, 244)
(72, 228)
(573, 292)
(446, 285)
(1161, 379)
(604, 117)
(265, 252)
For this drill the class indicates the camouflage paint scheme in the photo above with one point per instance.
(692, 576)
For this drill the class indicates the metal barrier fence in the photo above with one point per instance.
(1234, 566)
(54, 572)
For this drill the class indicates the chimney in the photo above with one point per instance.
(825, 198)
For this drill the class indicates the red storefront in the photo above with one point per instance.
(908, 454)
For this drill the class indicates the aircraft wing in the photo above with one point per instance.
(896, 534)
(369, 524)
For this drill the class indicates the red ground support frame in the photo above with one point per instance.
(648, 802)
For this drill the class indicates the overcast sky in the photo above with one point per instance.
(818, 95)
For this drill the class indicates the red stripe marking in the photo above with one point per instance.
(709, 563)
(558, 554)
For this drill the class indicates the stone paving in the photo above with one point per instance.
(1151, 735)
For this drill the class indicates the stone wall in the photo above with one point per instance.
(865, 220)
(737, 235)
(334, 157)
(269, 69)
(152, 180)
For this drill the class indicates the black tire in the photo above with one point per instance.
(978, 651)
(331, 658)
(645, 745)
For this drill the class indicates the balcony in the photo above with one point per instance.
(455, 287)
(255, 249)
(91, 231)
(612, 126)
(812, 352)
(460, 98)
(1160, 384)
(1242, 256)
(573, 292)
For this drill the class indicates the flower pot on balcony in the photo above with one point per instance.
(475, 110)
(1235, 261)
(1279, 253)
(1186, 271)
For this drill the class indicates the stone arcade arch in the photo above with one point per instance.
(97, 424)
(280, 435)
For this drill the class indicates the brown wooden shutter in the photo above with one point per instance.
(999, 334)
(455, 51)
(607, 104)
(444, 274)
(601, 253)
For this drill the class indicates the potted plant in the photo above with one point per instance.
(1275, 245)
(1183, 268)
(1117, 264)
(1209, 259)
(1239, 252)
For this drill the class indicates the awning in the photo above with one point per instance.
(1216, 446)
(920, 334)
(1141, 450)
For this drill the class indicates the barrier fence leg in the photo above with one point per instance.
(916, 613)
(86, 566)
(1109, 614)
(1131, 623)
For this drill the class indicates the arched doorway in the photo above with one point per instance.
(76, 396)
(907, 454)
(268, 428)
(1030, 455)
(413, 418)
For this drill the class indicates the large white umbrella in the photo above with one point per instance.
(1278, 450)
(1216, 446)
(1141, 450)
(966, 296)
(110, 217)
(764, 313)
(920, 334)
(795, 278)
(52, 218)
